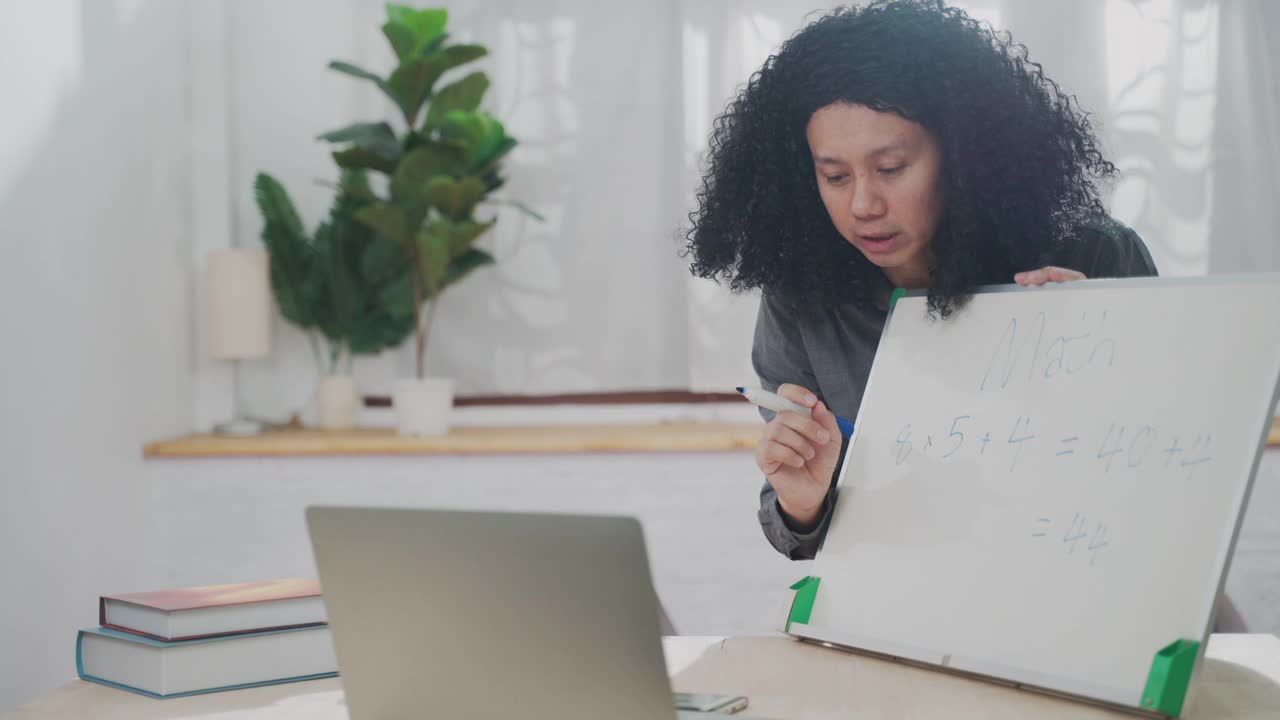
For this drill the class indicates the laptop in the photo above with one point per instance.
(458, 614)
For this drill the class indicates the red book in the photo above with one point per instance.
(214, 610)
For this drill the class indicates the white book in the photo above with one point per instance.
(188, 667)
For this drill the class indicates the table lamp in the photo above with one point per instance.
(239, 318)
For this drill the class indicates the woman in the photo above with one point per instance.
(901, 144)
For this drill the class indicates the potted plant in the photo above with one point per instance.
(445, 160)
(340, 285)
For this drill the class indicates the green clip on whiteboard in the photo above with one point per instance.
(1047, 487)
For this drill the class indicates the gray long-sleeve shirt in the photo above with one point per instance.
(829, 351)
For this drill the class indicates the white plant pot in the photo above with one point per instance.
(338, 402)
(422, 406)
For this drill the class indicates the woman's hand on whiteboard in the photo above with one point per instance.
(1046, 274)
(798, 455)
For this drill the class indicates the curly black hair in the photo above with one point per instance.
(1020, 160)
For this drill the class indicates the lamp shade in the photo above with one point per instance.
(239, 304)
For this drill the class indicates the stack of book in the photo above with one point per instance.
(195, 640)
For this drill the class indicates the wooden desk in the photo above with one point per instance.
(782, 678)
(788, 679)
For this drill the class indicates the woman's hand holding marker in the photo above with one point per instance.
(798, 452)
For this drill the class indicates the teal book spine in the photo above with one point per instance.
(151, 642)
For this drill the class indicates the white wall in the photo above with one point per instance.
(242, 519)
(94, 302)
(236, 520)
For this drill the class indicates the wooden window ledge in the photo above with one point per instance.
(652, 437)
(647, 437)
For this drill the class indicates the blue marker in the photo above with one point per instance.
(772, 401)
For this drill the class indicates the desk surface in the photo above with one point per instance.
(781, 677)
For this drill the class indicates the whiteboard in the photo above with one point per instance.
(1046, 487)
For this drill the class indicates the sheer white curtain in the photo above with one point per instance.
(612, 103)
(1245, 224)
(1186, 98)
(1185, 95)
